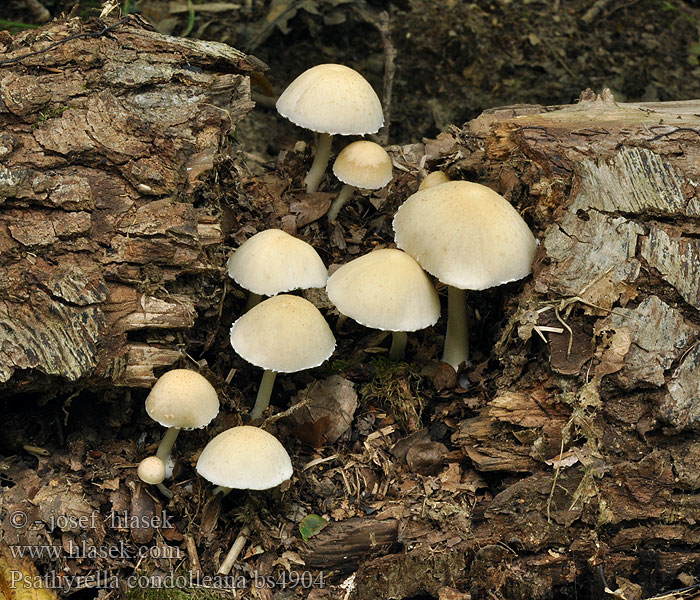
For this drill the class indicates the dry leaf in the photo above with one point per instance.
(310, 207)
(329, 410)
(19, 579)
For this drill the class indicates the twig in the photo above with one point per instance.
(235, 550)
(382, 23)
(293, 408)
(210, 7)
(556, 476)
(195, 566)
(593, 12)
(389, 72)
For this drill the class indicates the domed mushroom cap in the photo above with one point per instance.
(332, 99)
(363, 164)
(465, 234)
(385, 289)
(272, 261)
(284, 334)
(184, 399)
(151, 470)
(245, 458)
(433, 179)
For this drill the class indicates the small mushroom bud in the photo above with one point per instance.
(151, 470)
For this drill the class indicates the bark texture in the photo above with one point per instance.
(106, 139)
(588, 433)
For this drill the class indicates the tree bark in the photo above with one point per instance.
(590, 438)
(107, 138)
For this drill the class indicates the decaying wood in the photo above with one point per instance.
(105, 142)
(346, 543)
(593, 432)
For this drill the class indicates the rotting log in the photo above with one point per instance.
(107, 136)
(588, 430)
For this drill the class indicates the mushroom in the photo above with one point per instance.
(282, 334)
(433, 179)
(151, 470)
(330, 99)
(386, 289)
(180, 399)
(469, 237)
(363, 165)
(246, 458)
(272, 261)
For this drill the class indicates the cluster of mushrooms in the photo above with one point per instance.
(464, 234)
(242, 457)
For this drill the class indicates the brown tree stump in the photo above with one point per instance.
(107, 135)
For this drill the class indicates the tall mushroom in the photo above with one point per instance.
(244, 458)
(362, 164)
(469, 237)
(330, 99)
(386, 289)
(272, 262)
(282, 334)
(181, 399)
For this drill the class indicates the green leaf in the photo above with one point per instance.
(311, 525)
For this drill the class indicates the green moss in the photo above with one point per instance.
(14, 27)
(396, 386)
(52, 112)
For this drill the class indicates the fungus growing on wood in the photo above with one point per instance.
(272, 262)
(386, 289)
(330, 99)
(469, 237)
(282, 334)
(363, 165)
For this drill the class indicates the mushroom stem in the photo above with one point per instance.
(398, 345)
(343, 196)
(235, 550)
(163, 490)
(253, 300)
(221, 489)
(318, 168)
(264, 392)
(457, 338)
(166, 444)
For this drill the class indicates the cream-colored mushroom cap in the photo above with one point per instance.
(363, 164)
(151, 470)
(284, 334)
(433, 179)
(385, 289)
(272, 261)
(184, 399)
(332, 99)
(465, 234)
(245, 458)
